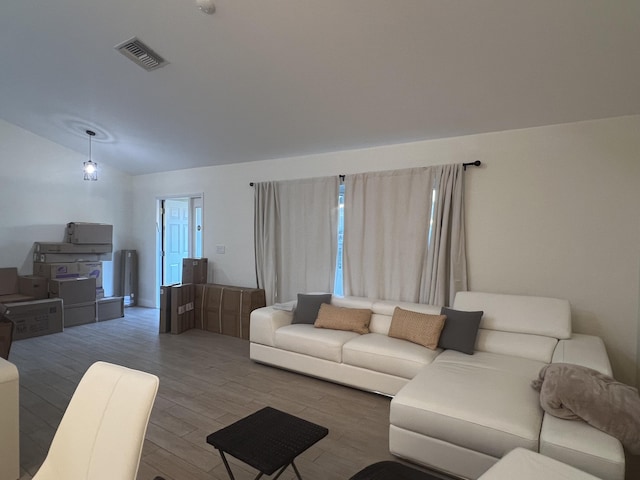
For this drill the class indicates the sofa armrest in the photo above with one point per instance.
(586, 350)
(264, 323)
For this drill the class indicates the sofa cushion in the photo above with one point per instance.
(586, 350)
(527, 465)
(421, 328)
(482, 402)
(577, 443)
(384, 354)
(383, 311)
(307, 308)
(534, 347)
(316, 342)
(460, 330)
(341, 318)
(550, 317)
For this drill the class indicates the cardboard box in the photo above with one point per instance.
(6, 338)
(10, 287)
(56, 270)
(194, 270)
(35, 318)
(73, 291)
(15, 297)
(182, 297)
(71, 257)
(128, 286)
(33, 286)
(99, 293)
(165, 308)
(110, 308)
(226, 309)
(79, 314)
(8, 281)
(53, 271)
(66, 247)
(93, 233)
(91, 270)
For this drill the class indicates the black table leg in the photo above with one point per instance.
(295, 469)
(226, 464)
(280, 472)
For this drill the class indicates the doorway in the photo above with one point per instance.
(180, 235)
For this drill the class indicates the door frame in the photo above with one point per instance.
(159, 232)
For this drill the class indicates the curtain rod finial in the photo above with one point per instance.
(477, 163)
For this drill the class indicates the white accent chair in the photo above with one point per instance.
(102, 431)
(9, 425)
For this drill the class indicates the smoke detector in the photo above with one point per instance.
(206, 6)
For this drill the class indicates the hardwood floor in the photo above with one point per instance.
(206, 382)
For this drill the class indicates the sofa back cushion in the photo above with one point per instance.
(343, 318)
(518, 325)
(382, 310)
(550, 317)
(421, 328)
(308, 307)
(383, 313)
(523, 345)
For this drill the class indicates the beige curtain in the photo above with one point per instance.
(445, 271)
(295, 236)
(404, 235)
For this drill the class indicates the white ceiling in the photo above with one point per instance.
(264, 79)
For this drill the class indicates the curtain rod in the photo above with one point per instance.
(477, 163)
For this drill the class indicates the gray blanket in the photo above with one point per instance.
(575, 392)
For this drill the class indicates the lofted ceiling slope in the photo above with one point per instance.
(269, 79)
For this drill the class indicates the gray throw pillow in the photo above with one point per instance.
(308, 306)
(460, 330)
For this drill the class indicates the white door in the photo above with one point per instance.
(175, 238)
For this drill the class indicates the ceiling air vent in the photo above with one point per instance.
(139, 53)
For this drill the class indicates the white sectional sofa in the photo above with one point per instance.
(452, 411)
(526, 465)
(374, 362)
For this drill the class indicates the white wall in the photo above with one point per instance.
(553, 211)
(42, 189)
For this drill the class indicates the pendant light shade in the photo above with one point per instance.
(90, 167)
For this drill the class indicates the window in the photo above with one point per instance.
(338, 285)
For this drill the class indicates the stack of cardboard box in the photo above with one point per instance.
(78, 299)
(66, 281)
(24, 300)
(226, 309)
(177, 300)
(87, 245)
(216, 308)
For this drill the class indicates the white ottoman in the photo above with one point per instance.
(527, 465)
(9, 424)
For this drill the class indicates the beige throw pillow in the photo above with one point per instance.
(421, 328)
(341, 318)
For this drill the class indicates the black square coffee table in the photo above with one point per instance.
(267, 440)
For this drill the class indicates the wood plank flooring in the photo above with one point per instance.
(207, 381)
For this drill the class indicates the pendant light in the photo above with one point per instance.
(90, 167)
